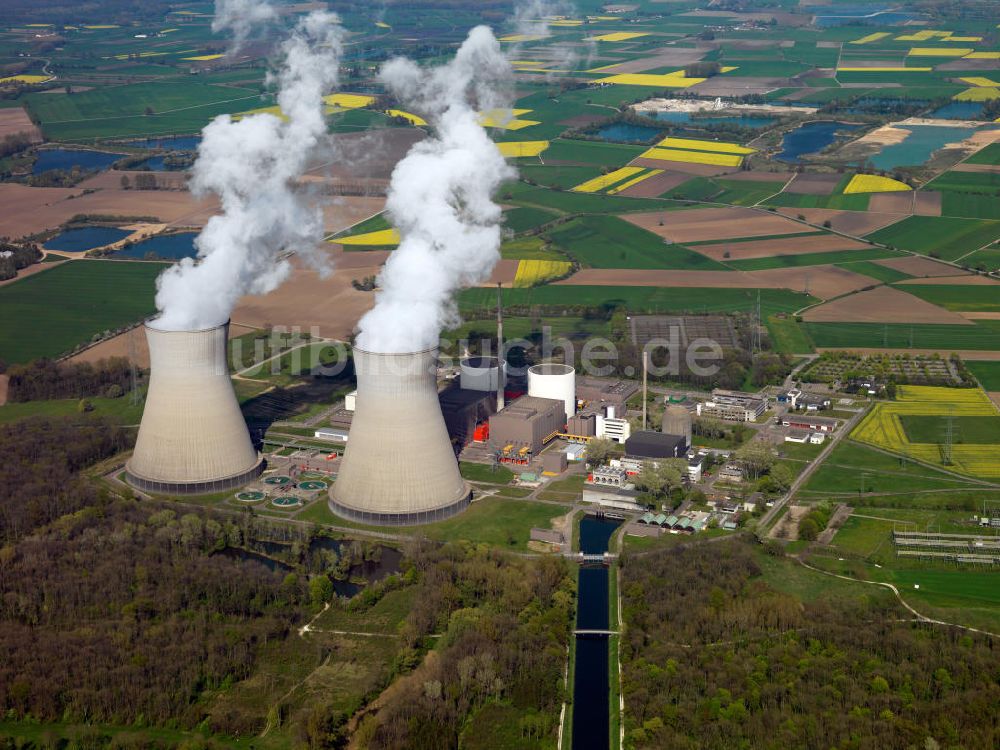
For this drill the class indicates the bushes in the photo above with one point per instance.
(43, 379)
(812, 523)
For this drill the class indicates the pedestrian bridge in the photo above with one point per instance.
(591, 631)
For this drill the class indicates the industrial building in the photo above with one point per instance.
(731, 409)
(524, 426)
(399, 467)
(192, 438)
(599, 422)
(466, 413)
(647, 444)
(809, 422)
(606, 392)
(609, 476)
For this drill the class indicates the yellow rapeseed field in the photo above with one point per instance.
(882, 427)
(872, 37)
(26, 78)
(940, 51)
(535, 272)
(629, 183)
(515, 149)
(607, 180)
(870, 183)
(414, 119)
(979, 81)
(202, 58)
(693, 157)
(618, 36)
(978, 94)
(349, 101)
(381, 237)
(983, 56)
(520, 38)
(692, 144)
(666, 80)
(382, 25)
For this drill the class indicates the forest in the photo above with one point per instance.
(714, 657)
(46, 379)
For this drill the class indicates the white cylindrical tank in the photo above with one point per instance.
(554, 381)
(481, 374)
(192, 438)
(399, 467)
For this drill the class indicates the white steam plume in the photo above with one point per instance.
(251, 164)
(532, 19)
(241, 17)
(441, 196)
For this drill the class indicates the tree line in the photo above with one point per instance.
(44, 378)
(14, 257)
(715, 657)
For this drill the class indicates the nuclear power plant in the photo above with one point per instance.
(399, 467)
(192, 438)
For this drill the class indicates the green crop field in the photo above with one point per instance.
(557, 176)
(583, 203)
(522, 219)
(875, 270)
(529, 248)
(591, 152)
(941, 237)
(985, 298)
(643, 299)
(54, 310)
(987, 373)
(811, 259)
(988, 155)
(923, 428)
(610, 242)
(983, 183)
(981, 335)
(853, 202)
(970, 205)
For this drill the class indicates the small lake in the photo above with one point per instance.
(918, 147)
(168, 247)
(623, 132)
(743, 121)
(591, 706)
(85, 238)
(811, 138)
(959, 111)
(171, 143)
(68, 159)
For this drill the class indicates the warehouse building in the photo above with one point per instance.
(611, 392)
(649, 445)
(808, 422)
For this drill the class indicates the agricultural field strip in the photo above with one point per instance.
(163, 112)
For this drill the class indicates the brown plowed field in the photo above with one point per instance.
(786, 246)
(119, 346)
(927, 203)
(15, 120)
(966, 167)
(823, 281)
(916, 265)
(679, 57)
(653, 187)
(713, 224)
(892, 203)
(503, 273)
(980, 315)
(23, 208)
(813, 184)
(882, 305)
(730, 86)
(955, 280)
(857, 223)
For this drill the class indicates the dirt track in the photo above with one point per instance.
(702, 224)
(882, 305)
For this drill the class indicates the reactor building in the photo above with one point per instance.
(399, 467)
(192, 438)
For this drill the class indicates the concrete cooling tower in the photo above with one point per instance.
(399, 467)
(677, 421)
(192, 438)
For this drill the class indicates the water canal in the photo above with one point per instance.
(591, 677)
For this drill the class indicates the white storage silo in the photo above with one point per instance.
(481, 374)
(554, 381)
(399, 467)
(192, 438)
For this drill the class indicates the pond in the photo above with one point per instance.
(172, 143)
(167, 246)
(68, 159)
(916, 149)
(811, 138)
(85, 238)
(235, 553)
(959, 111)
(591, 705)
(743, 121)
(623, 132)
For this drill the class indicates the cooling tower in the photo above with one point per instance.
(192, 438)
(399, 467)
(554, 381)
(677, 421)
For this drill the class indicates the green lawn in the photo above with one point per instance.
(923, 428)
(500, 522)
(119, 409)
(486, 474)
(938, 236)
(789, 336)
(51, 312)
(985, 298)
(610, 242)
(987, 373)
